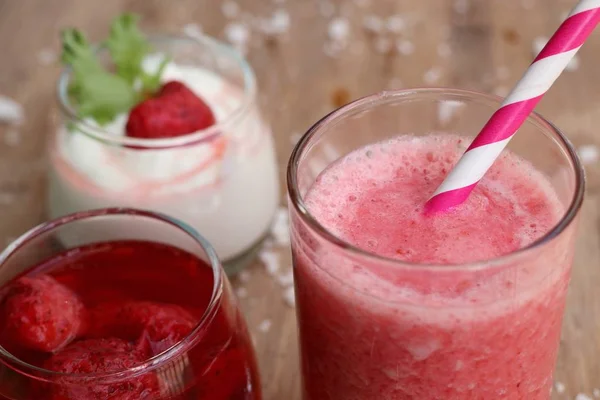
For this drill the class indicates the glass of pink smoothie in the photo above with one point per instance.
(397, 304)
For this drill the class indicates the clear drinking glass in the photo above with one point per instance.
(420, 341)
(214, 361)
(222, 180)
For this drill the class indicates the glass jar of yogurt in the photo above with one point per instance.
(221, 180)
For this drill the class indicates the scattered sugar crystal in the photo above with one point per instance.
(47, 56)
(461, 6)
(596, 393)
(396, 23)
(286, 279)
(289, 297)
(588, 153)
(326, 8)
(432, 75)
(241, 292)
(539, 43)
(244, 276)
(582, 396)
(501, 91)
(339, 29)
(230, 9)
(444, 50)
(280, 230)
(12, 137)
(560, 387)
(10, 111)
(271, 261)
(383, 45)
(373, 23)
(192, 30)
(280, 22)
(405, 47)
(265, 326)
(237, 33)
(446, 110)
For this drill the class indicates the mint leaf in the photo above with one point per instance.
(97, 93)
(128, 47)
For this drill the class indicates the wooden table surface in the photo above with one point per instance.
(330, 53)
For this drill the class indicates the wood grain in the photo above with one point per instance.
(489, 45)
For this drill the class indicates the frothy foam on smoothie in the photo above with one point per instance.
(512, 206)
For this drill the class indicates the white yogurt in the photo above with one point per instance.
(227, 188)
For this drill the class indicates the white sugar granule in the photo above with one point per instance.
(588, 153)
(289, 297)
(373, 23)
(396, 23)
(193, 30)
(280, 230)
(47, 56)
(286, 279)
(244, 276)
(339, 29)
(10, 111)
(241, 292)
(432, 75)
(265, 326)
(560, 387)
(446, 110)
(405, 47)
(582, 396)
(271, 261)
(237, 33)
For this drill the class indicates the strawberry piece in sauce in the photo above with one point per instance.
(156, 327)
(98, 356)
(39, 313)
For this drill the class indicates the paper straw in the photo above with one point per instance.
(516, 107)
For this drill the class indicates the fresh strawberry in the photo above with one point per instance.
(174, 111)
(156, 327)
(39, 313)
(95, 356)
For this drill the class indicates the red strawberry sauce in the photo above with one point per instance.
(112, 306)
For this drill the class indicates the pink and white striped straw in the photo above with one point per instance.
(516, 107)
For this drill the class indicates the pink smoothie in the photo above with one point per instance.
(378, 329)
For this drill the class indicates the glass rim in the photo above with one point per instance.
(151, 363)
(207, 134)
(298, 204)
